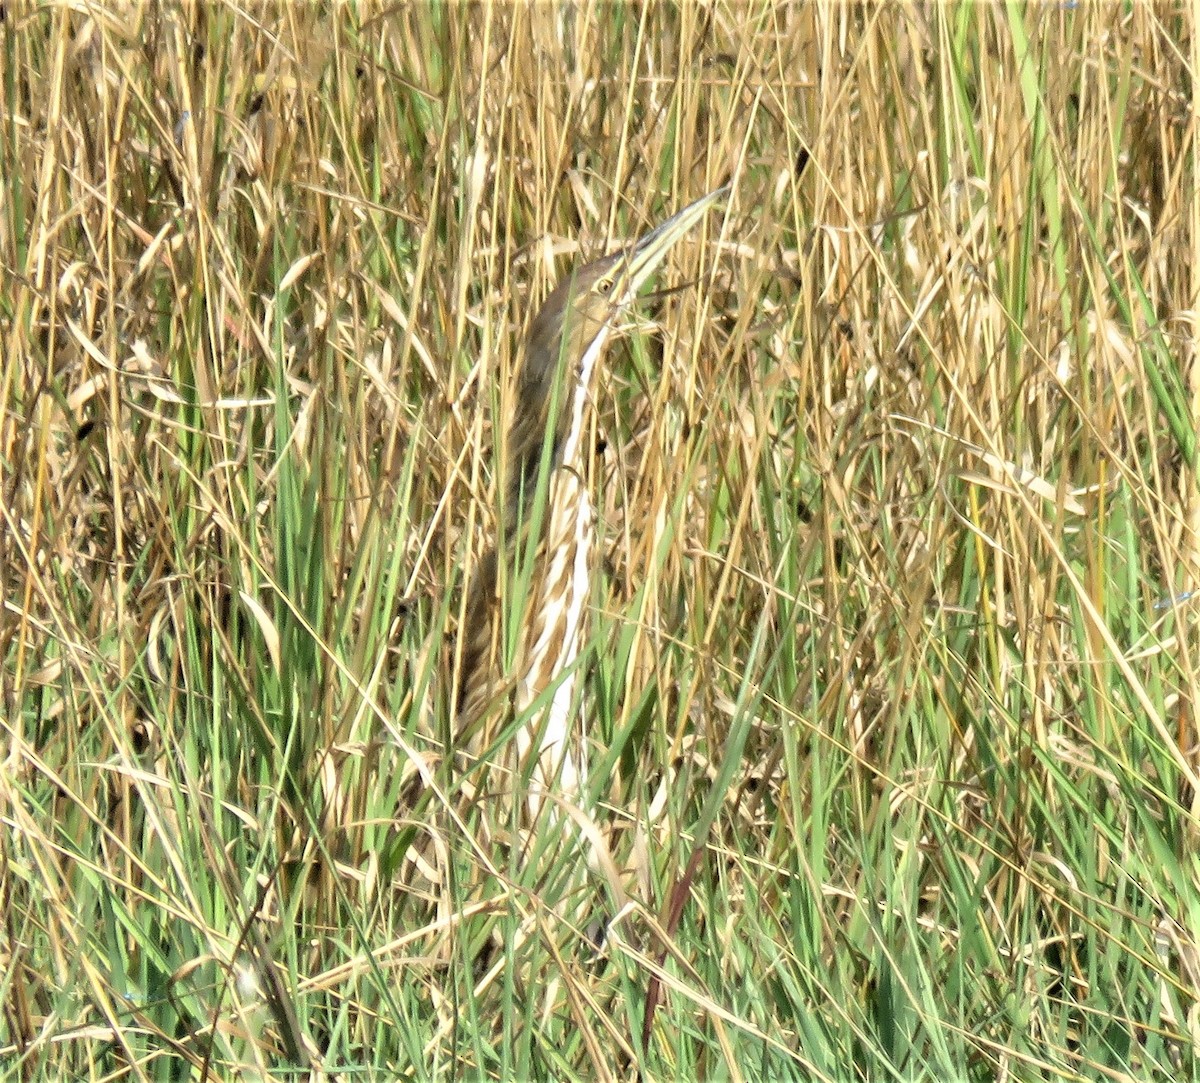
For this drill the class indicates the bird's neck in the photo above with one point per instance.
(580, 394)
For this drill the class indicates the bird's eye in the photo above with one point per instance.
(604, 285)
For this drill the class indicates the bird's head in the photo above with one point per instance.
(574, 324)
(585, 306)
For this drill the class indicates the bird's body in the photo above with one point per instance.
(553, 392)
(547, 644)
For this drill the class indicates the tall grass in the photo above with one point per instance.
(890, 692)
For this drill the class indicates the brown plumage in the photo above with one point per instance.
(553, 391)
(527, 433)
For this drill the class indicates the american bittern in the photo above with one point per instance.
(554, 387)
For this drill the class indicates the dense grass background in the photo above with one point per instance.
(891, 691)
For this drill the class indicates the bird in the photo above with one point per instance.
(545, 452)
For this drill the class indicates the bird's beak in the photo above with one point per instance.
(649, 251)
